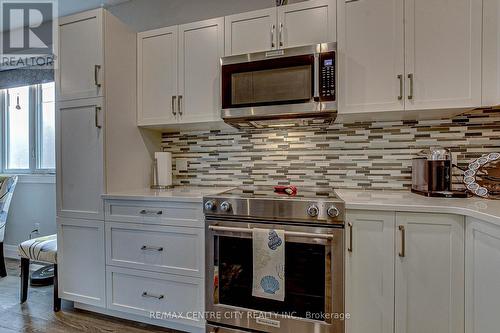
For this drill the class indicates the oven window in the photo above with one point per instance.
(304, 277)
(268, 82)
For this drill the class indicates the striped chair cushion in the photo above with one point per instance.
(40, 249)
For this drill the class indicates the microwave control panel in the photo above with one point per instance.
(327, 76)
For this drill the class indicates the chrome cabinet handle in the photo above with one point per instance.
(410, 77)
(96, 117)
(402, 254)
(179, 104)
(96, 75)
(151, 248)
(146, 212)
(350, 237)
(281, 35)
(273, 27)
(173, 105)
(146, 294)
(400, 78)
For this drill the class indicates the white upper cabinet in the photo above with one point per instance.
(429, 273)
(80, 166)
(409, 56)
(306, 23)
(201, 45)
(157, 76)
(369, 272)
(251, 32)
(371, 56)
(482, 283)
(179, 73)
(443, 53)
(491, 53)
(299, 24)
(81, 56)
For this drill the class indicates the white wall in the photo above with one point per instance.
(32, 203)
(143, 15)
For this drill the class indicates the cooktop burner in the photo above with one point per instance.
(320, 205)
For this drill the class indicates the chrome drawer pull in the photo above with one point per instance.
(146, 294)
(151, 248)
(146, 212)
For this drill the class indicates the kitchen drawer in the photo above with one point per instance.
(141, 293)
(166, 249)
(188, 214)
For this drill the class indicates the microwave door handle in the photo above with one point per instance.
(316, 76)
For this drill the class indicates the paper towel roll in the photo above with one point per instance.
(164, 162)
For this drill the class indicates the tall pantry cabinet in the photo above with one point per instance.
(95, 132)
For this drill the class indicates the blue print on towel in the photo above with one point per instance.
(274, 240)
(269, 284)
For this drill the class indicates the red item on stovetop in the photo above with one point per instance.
(290, 189)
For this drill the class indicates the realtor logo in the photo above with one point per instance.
(28, 37)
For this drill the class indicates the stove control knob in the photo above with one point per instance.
(313, 211)
(225, 206)
(210, 205)
(333, 211)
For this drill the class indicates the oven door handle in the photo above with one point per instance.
(287, 233)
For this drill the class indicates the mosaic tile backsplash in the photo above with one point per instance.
(371, 155)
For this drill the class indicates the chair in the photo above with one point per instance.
(41, 249)
(8, 184)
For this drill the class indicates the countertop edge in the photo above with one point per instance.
(467, 212)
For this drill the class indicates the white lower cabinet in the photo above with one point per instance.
(166, 249)
(370, 272)
(404, 272)
(140, 293)
(482, 283)
(429, 273)
(80, 249)
(155, 261)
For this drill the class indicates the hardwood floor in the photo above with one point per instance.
(36, 315)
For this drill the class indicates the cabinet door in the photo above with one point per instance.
(157, 76)
(482, 283)
(201, 45)
(81, 261)
(370, 271)
(251, 32)
(429, 273)
(370, 56)
(306, 23)
(443, 54)
(81, 56)
(491, 53)
(80, 166)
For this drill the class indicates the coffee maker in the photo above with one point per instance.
(432, 174)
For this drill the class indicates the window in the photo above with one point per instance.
(29, 129)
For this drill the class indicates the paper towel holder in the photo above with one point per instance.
(156, 185)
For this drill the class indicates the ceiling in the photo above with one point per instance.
(67, 7)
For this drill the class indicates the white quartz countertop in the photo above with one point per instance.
(178, 193)
(405, 201)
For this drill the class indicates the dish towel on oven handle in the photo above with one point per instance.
(269, 264)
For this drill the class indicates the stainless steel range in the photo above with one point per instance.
(313, 222)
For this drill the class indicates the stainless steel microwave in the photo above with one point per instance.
(280, 85)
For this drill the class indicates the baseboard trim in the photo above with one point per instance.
(10, 251)
(140, 319)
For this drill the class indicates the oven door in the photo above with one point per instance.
(314, 286)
